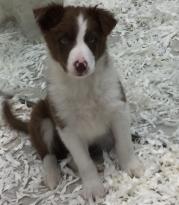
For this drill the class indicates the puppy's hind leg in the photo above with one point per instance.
(52, 172)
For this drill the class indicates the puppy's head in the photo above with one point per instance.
(75, 36)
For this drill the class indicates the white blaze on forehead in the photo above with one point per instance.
(81, 51)
(82, 26)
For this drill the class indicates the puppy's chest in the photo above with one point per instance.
(84, 111)
(87, 109)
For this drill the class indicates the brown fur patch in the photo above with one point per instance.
(49, 16)
(40, 112)
(105, 19)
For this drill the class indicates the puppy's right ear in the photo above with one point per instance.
(49, 16)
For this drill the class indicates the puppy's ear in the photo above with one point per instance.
(105, 18)
(49, 16)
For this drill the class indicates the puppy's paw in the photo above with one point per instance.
(52, 179)
(93, 189)
(134, 167)
(52, 172)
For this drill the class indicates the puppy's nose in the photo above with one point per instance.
(81, 67)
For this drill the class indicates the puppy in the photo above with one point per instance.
(85, 99)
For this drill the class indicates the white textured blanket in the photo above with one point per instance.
(145, 48)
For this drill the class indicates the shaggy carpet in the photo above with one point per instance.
(145, 48)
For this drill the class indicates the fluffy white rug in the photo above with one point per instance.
(145, 48)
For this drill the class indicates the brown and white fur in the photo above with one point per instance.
(85, 97)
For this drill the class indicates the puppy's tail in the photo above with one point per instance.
(9, 116)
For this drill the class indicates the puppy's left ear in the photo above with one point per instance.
(105, 19)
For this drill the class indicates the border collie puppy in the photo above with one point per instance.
(85, 98)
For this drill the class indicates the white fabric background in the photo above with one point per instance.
(145, 48)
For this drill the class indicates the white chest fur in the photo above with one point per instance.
(86, 104)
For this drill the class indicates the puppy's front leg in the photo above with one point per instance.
(93, 187)
(123, 142)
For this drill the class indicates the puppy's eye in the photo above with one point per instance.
(91, 38)
(64, 40)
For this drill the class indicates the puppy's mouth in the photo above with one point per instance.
(80, 74)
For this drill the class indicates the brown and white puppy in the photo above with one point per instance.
(85, 97)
